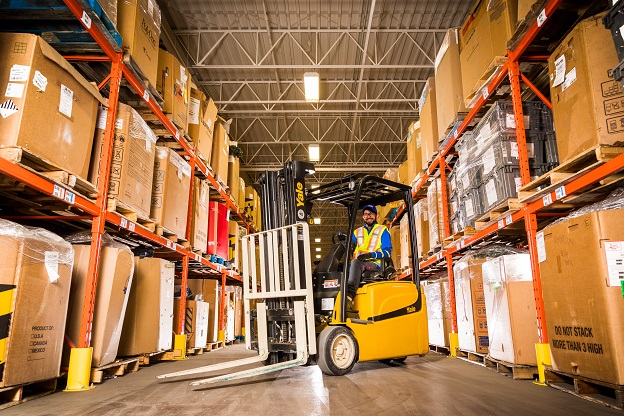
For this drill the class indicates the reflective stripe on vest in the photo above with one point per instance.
(369, 242)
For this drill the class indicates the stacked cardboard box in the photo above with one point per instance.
(428, 122)
(236, 233)
(586, 99)
(482, 39)
(48, 109)
(132, 164)
(148, 324)
(472, 325)
(173, 83)
(252, 207)
(241, 193)
(172, 182)
(138, 22)
(406, 252)
(391, 174)
(435, 213)
(510, 308)
(581, 269)
(414, 151)
(233, 181)
(195, 321)
(220, 150)
(395, 237)
(35, 278)
(448, 75)
(403, 174)
(201, 121)
(421, 213)
(111, 298)
(209, 291)
(437, 296)
(199, 219)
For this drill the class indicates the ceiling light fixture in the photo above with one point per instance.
(311, 85)
(317, 240)
(317, 221)
(314, 152)
(318, 249)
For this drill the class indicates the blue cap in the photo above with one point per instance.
(370, 208)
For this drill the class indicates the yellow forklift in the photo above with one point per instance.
(297, 316)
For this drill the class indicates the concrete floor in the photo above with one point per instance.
(433, 385)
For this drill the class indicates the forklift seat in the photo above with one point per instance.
(384, 273)
(331, 262)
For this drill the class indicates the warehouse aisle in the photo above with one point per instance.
(433, 385)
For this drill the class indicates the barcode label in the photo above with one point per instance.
(547, 200)
(70, 197)
(146, 96)
(86, 19)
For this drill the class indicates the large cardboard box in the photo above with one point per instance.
(201, 121)
(111, 299)
(148, 324)
(199, 219)
(524, 6)
(406, 252)
(172, 82)
(414, 151)
(218, 229)
(472, 325)
(238, 318)
(209, 289)
(435, 212)
(448, 75)
(170, 191)
(428, 122)
(402, 174)
(482, 38)
(395, 238)
(195, 321)
(35, 278)
(581, 270)
(587, 101)
(220, 151)
(421, 212)
(510, 309)
(132, 160)
(234, 245)
(437, 296)
(241, 193)
(138, 22)
(48, 108)
(232, 179)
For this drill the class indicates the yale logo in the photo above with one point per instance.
(411, 309)
(299, 192)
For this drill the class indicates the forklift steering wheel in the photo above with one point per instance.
(342, 237)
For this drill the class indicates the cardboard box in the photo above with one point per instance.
(234, 245)
(414, 151)
(449, 92)
(35, 277)
(241, 193)
(209, 289)
(510, 309)
(220, 151)
(437, 296)
(587, 101)
(171, 187)
(238, 318)
(138, 23)
(195, 321)
(172, 82)
(428, 122)
(406, 252)
(472, 325)
(111, 299)
(395, 238)
(482, 38)
(391, 174)
(232, 179)
(218, 229)
(524, 6)
(110, 9)
(435, 212)
(581, 266)
(202, 118)
(148, 324)
(402, 174)
(199, 219)
(48, 108)
(421, 212)
(132, 163)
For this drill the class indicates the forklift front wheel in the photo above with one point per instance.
(337, 351)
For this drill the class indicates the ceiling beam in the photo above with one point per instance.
(288, 30)
(311, 66)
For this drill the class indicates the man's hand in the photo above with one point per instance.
(364, 257)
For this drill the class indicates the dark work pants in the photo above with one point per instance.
(355, 274)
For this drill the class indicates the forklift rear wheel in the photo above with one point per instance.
(337, 351)
(399, 360)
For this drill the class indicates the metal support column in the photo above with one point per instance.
(445, 206)
(516, 98)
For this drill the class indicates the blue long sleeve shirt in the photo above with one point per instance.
(386, 243)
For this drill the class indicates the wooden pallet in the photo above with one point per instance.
(14, 395)
(159, 129)
(515, 371)
(489, 72)
(194, 351)
(115, 369)
(608, 394)
(499, 212)
(471, 356)
(45, 168)
(127, 212)
(440, 349)
(152, 357)
(170, 235)
(134, 68)
(213, 346)
(468, 231)
(568, 171)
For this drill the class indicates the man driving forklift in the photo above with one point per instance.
(372, 244)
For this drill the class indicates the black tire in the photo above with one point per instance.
(399, 360)
(337, 351)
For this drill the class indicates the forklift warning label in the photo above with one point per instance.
(587, 343)
(330, 283)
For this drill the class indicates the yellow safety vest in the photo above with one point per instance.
(368, 242)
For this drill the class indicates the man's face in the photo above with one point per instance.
(369, 217)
